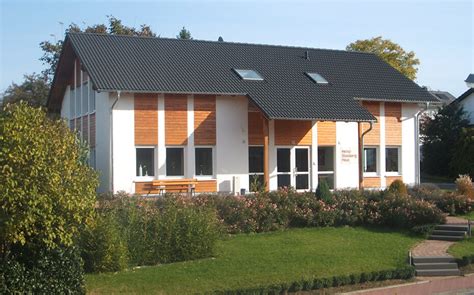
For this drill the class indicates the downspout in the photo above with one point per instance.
(111, 145)
(417, 144)
(361, 153)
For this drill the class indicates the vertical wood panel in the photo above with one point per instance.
(92, 129)
(293, 132)
(146, 119)
(390, 179)
(373, 137)
(393, 124)
(326, 133)
(204, 120)
(255, 128)
(176, 119)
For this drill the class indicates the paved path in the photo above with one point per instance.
(446, 285)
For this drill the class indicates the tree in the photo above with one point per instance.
(390, 52)
(184, 34)
(463, 159)
(34, 90)
(51, 51)
(220, 39)
(47, 192)
(441, 134)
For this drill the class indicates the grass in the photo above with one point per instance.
(261, 259)
(462, 248)
(469, 215)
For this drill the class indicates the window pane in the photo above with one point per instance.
(72, 102)
(256, 182)
(255, 159)
(302, 160)
(85, 99)
(284, 180)
(175, 161)
(391, 160)
(302, 181)
(249, 74)
(329, 178)
(317, 78)
(92, 158)
(203, 161)
(78, 101)
(283, 160)
(91, 99)
(325, 159)
(145, 161)
(370, 159)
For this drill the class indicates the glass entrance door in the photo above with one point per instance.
(293, 167)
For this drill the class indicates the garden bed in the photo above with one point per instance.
(283, 257)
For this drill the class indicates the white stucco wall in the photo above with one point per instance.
(232, 145)
(408, 143)
(468, 105)
(347, 150)
(124, 144)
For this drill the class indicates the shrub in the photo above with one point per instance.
(322, 191)
(398, 187)
(41, 271)
(464, 186)
(103, 246)
(424, 230)
(453, 203)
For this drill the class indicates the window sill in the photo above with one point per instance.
(392, 174)
(144, 178)
(371, 174)
(205, 177)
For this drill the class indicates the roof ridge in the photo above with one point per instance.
(222, 42)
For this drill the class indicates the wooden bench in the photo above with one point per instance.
(187, 185)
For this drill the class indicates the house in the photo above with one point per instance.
(229, 113)
(466, 100)
(444, 97)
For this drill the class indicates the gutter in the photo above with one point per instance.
(111, 144)
(417, 143)
(361, 153)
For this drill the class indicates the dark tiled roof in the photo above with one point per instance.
(470, 78)
(142, 64)
(443, 96)
(464, 95)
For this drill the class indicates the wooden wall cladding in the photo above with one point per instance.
(146, 119)
(373, 137)
(393, 124)
(92, 130)
(176, 119)
(204, 120)
(206, 186)
(255, 128)
(326, 133)
(390, 179)
(293, 132)
(371, 182)
(85, 128)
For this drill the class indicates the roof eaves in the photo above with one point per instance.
(435, 100)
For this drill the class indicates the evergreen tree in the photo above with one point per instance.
(184, 34)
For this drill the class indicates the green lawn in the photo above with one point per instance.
(253, 260)
(463, 248)
(469, 215)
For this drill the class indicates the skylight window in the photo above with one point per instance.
(249, 75)
(317, 78)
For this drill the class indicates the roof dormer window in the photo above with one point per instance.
(317, 78)
(249, 75)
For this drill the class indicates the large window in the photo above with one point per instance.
(256, 179)
(392, 161)
(284, 167)
(78, 95)
(203, 161)
(326, 165)
(91, 99)
(85, 98)
(175, 161)
(72, 101)
(145, 161)
(370, 159)
(92, 157)
(249, 74)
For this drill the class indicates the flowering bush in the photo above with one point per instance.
(448, 202)
(464, 186)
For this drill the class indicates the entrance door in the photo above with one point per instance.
(293, 167)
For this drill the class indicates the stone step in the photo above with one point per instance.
(452, 227)
(433, 259)
(446, 238)
(439, 232)
(444, 265)
(438, 272)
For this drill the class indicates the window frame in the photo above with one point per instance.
(324, 82)
(333, 172)
(399, 155)
(248, 79)
(213, 157)
(155, 162)
(377, 162)
(184, 162)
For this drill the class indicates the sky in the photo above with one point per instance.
(441, 33)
